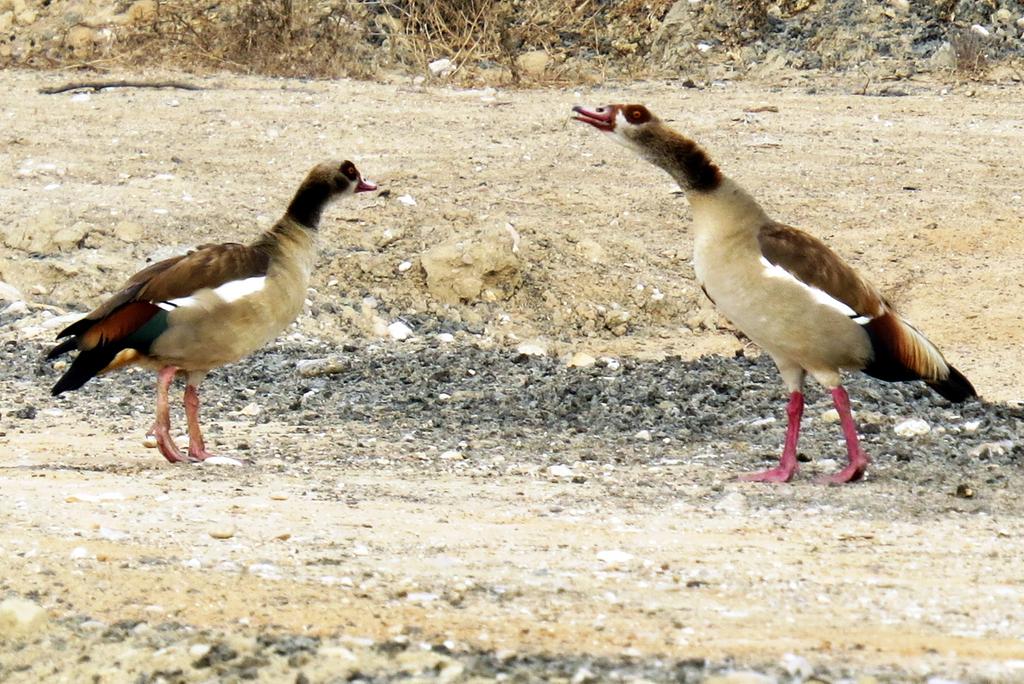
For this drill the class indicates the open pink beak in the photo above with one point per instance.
(365, 186)
(601, 118)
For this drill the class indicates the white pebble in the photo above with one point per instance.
(421, 597)
(110, 534)
(222, 460)
(265, 570)
(404, 266)
(560, 471)
(16, 308)
(830, 416)
(445, 337)
(399, 331)
(441, 67)
(407, 200)
(251, 409)
(311, 368)
(999, 448)
(20, 616)
(532, 349)
(452, 455)
(582, 360)
(643, 435)
(223, 531)
(743, 677)
(614, 557)
(796, 666)
(913, 427)
(198, 650)
(79, 552)
(828, 464)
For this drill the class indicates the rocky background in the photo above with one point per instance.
(523, 41)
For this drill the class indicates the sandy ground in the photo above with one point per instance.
(921, 192)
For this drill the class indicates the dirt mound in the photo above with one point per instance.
(520, 41)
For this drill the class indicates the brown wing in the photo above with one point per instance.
(207, 266)
(180, 276)
(899, 350)
(813, 263)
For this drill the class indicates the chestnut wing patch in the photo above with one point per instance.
(127, 320)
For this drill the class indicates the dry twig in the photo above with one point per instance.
(97, 86)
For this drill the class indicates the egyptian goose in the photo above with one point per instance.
(785, 289)
(193, 313)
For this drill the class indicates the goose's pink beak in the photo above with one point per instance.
(601, 118)
(365, 186)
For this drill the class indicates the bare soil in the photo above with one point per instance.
(373, 537)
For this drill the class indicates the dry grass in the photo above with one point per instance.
(359, 37)
(274, 37)
(496, 32)
(969, 53)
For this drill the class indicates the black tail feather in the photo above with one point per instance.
(955, 387)
(77, 328)
(86, 366)
(62, 348)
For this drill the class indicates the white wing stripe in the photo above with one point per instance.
(231, 291)
(820, 296)
(183, 301)
(234, 290)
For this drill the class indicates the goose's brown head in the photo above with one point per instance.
(326, 181)
(339, 178)
(627, 123)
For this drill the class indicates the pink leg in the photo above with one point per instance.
(196, 447)
(858, 461)
(787, 463)
(162, 427)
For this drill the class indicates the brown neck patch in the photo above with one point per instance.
(682, 158)
(309, 201)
